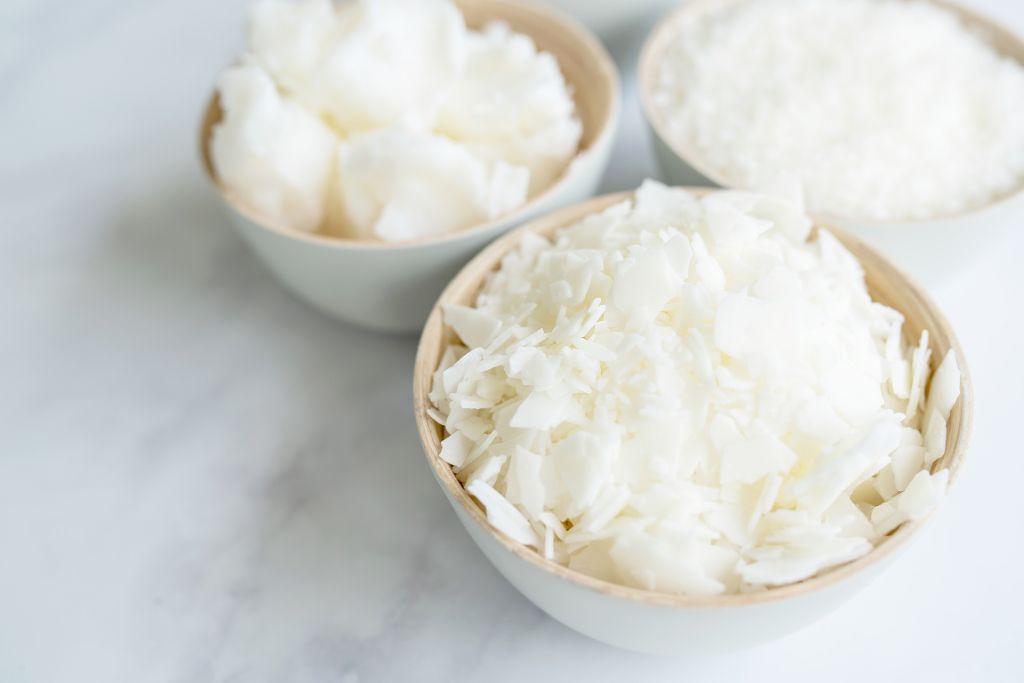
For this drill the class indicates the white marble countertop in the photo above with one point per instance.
(201, 479)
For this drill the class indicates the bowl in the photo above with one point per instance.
(390, 286)
(929, 249)
(664, 623)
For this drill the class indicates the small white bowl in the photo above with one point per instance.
(391, 286)
(929, 249)
(663, 623)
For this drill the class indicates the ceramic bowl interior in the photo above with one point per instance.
(588, 69)
(1004, 41)
(886, 285)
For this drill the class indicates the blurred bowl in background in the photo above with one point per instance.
(390, 286)
(929, 249)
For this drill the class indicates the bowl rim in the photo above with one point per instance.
(601, 69)
(489, 259)
(662, 33)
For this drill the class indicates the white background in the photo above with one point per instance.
(201, 479)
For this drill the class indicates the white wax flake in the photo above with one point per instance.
(731, 226)
(923, 494)
(856, 392)
(389, 119)
(455, 449)
(480, 446)
(885, 483)
(525, 485)
(843, 468)
(603, 510)
(549, 543)
(538, 411)
(709, 271)
(702, 358)
(649, 562)
(750, 327)
(934, 436)
(531, 366)
(944, 389)
(899, 378)
(846, 516)
(502, 514)
(486, 469)
(644, 283)
(778, 283)
(841, 98)
(795, 565)
(919, 374)
(749, 460)
(819, 420)
(583, 462)
(452, 377)
(680, 394)
(474, 327)
(918, 500)
(907, 461)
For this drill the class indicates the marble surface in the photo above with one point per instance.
(201, 479)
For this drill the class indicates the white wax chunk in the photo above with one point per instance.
(273, 154)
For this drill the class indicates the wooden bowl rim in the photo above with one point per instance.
(1010, 45)
(602, 72)
(432, 340)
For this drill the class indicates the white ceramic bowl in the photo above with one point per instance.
(390, 286)
(928, 249)
(663, 623)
